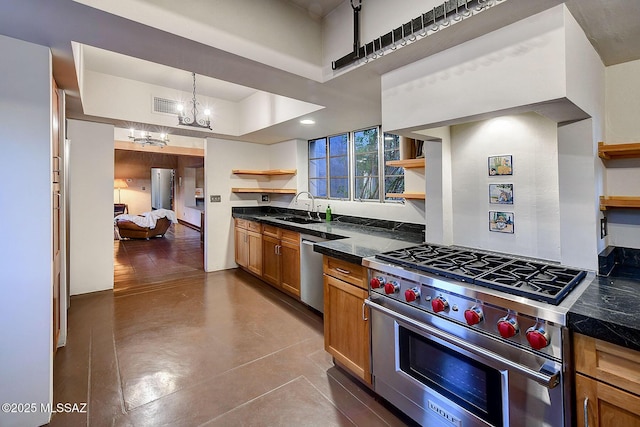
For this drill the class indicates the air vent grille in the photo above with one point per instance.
(164, 106)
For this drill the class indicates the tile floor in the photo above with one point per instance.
(175, 346)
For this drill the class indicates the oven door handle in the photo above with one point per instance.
(549, 381)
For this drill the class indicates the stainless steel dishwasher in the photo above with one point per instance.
(311, 281)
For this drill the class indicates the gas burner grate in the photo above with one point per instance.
(542, 282)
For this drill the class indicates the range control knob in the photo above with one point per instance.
(391, 287)
(473, 316)
(439, 304)
(412, 294)
(508, 327)
(538, 337)
(377, 282)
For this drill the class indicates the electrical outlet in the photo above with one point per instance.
(603, 227)
(215, 198)
(265, 197)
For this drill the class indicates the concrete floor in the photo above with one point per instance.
(176, 346)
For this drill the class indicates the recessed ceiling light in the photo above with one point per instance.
(307, 122)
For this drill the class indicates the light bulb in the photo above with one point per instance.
(207, 112)
(180, 107)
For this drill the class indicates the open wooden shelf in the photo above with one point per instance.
(607, 202)
(412, 196)
(407, 163)
(269, 172)
(619, 151)
(264, 190)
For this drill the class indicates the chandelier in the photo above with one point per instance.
(145, 138)
(194, 121)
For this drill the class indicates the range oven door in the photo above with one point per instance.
(441, 378)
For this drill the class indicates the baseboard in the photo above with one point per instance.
(188, 224)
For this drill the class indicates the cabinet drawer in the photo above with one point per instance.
(607, 362)
(242, 223)
(343, 270)
(270, 230)
(291, 236)
(254, 226)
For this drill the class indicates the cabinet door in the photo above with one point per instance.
(271, 260)
(290, 264)
(242, 247)
(607, 406)
(346, 326)
(255, 253)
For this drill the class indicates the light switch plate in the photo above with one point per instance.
(215, 198)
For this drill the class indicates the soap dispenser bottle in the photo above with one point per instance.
(328, 214)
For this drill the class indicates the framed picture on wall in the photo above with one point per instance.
(501, 222)
(500, 165)
(501, 194)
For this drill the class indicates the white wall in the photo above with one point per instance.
(517, 65)
(26, 372)
(90, 209)
(623, 126)
(221, 156)
(259, 30)
(580, 177)
(532, 141)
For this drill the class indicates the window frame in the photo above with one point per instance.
(351, 167)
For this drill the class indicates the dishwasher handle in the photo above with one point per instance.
(308, 242)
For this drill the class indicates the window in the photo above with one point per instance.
(393, 175)
(366, 164)
(350, 166)
(339, 166)
(318, 167)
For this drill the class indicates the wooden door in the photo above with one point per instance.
(242, 247)
(254, 258)
(290, 264)
(607, 406)
(346, 326)
(56, 166)
(271, 259)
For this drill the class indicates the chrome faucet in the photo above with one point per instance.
(313, 201)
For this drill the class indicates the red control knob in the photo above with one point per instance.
(391, 288)
(508, 327)
(439, 304)
(473, 316)
(538, 337)
(412, 294)
(377, 282)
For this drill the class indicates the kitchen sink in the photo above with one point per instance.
(297, 219)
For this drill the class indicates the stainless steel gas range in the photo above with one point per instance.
(469, 338)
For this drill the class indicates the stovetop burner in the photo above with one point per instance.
(539, 281)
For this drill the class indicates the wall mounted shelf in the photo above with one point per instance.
(270, 172)
(607, 202)
(619, 151)
(408, 196)
(264, 190)
(407, 163)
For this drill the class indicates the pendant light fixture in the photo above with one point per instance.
(194, 121)
(145, 138)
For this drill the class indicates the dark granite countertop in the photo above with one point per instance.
(349, 238)
(609, 309)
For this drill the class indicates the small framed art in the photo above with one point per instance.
(500, 165)
(501, 222)
(501, 194)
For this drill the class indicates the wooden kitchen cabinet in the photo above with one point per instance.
(281, 259)
(607, 382)
(347, 335)
(248, 239)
